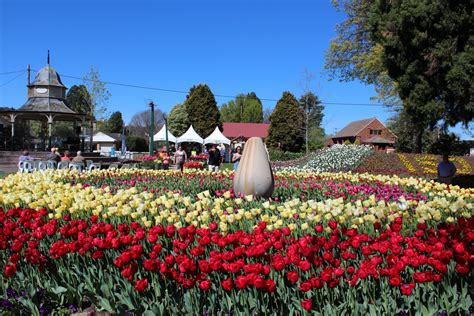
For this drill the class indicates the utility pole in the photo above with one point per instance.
(166, 133)
(152, 125)
(307, 127)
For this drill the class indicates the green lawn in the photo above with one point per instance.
(228, 166)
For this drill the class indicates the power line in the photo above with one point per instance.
(12, 79)
(11, 72)
(216, 95)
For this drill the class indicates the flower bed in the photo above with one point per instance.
(336, 158)
(421, 165)
(177, 243)
(194, 165)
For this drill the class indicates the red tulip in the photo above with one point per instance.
(141, 285)
(307, 304)
(205, 285)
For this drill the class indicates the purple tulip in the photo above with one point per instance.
(11, 292)
(4, 303)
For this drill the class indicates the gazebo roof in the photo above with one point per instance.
(44, 79)
(46, 105)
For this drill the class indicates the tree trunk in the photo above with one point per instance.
(418, 141)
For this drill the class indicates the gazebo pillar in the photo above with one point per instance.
(12, 122)
(92, 136)
(81, 134)
(50, 129)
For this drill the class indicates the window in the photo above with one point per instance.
(375, 132)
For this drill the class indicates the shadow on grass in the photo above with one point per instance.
(464, 181)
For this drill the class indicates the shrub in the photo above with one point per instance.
(136, 143)
(280, 155)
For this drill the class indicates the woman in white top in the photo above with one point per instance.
(180, 158)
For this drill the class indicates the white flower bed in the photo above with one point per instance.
(336, 158)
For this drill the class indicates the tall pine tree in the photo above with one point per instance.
(115, 123)
(202, 110)
(286, 130)
(79, 99)
(428, 51)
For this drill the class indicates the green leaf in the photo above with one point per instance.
(59, 290)
(105, 304)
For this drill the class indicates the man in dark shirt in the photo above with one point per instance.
(214, 158)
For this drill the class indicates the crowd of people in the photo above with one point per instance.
(216, 156)
(54, 155)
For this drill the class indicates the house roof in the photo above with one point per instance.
(106, 137)
(378, 140)
(354, 128)
(246, 130)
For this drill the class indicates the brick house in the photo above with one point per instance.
(369, 132)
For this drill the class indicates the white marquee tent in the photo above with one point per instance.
(190, 136)
(217, 138)
(161, 136)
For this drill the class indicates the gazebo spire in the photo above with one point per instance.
(48, 58)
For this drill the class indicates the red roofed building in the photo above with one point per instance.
(369, 132)
(243, 131)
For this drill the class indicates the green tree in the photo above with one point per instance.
(245, 108)
(202, 110)
(428, 50)
(286, 122)
(313, 114)
(402, 126)
(353, 54)
(252, 108)
(79, 99)
(230, 112)
(178, 122)
(99, 95)
(115, 123)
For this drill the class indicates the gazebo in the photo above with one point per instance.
(47, 102)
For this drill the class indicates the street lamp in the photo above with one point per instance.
(166, 134)
(152, 125)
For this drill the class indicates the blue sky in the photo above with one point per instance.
(234, 46)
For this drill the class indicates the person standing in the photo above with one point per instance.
(222, 152)
(236, 157)
(214, 158)
(446, 170)
(180, 158)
